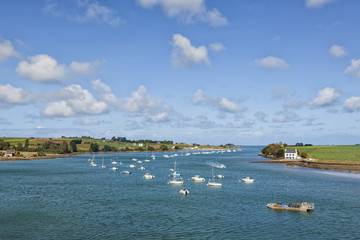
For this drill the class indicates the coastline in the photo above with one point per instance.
(350, 166)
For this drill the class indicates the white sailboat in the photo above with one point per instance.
(102, 164)
(212, 183)
(177, 180)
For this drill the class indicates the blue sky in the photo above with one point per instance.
(205, 71)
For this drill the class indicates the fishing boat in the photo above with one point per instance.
(184, 191)
(212, 183)
(197, 178)
(148, 176)
(248, 180)
(299, 207)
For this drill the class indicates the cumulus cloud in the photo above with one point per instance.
(10, 95)
(220, 103)
(84, 67)
(7, 50)
(142, 104)
(337, 51)
(317, 3)
(272, 63)
(326, 97)
(216, 47)
(85, 11)
(185, 55)
(286, 116)
(104, 92)
(354, 68)
(74, 101)
(352, 104)
(41, 68)
(187, 11)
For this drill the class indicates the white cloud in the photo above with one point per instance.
(187, 11)
(286, 116)
(354, 68)
(317, 3)
(337, 51)
(352, 104)
(104, 92)
(91, 11)
(142, 104)
(10, 95)
(41, 68)
(326, 97)
(217, 47)
(86, 121)
(185, 55)
(74, 101)
(272, 63)
(220, 103)
(293, 103)
(7, 50)
(84, 67)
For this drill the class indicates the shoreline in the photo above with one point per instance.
(54, 155)
(353, 167)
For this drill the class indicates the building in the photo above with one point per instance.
(290, 154)
(9, 153)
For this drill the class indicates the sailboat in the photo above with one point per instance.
(165, 155)
(212, 183)
(102, 165)
(177, 180)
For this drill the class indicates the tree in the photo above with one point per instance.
(27, 143)
(303, 154)
(73, 146)
(94, 147)
(106, 148)
(163, 147)
(150, 148)
(64, 148)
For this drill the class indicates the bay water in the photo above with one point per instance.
(66, 198)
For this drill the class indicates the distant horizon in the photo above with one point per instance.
(204, 71)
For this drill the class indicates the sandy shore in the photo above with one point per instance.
(348, 166)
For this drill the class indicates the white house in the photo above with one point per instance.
(290, 154)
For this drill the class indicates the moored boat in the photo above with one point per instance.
(299, 207)
(148, 176)
(248, 180)
(197, 178)
(184, 191)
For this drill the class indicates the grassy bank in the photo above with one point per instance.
(341, 153)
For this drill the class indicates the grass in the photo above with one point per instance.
(332, 152)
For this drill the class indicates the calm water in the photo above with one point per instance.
(68, 199)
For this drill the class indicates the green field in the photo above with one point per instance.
(332, 152)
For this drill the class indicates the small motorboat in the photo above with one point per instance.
(184, 192)
(220, 176)
(114, 162)
(126, 172)
(146, 160)
(197, 178)
(303, 207)
(93, 164)
(148, 176)
(114, 169)
(134, 159)
(131, 166)
(139, 161)
(248, 180)
(142, 168)
(222, 166)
